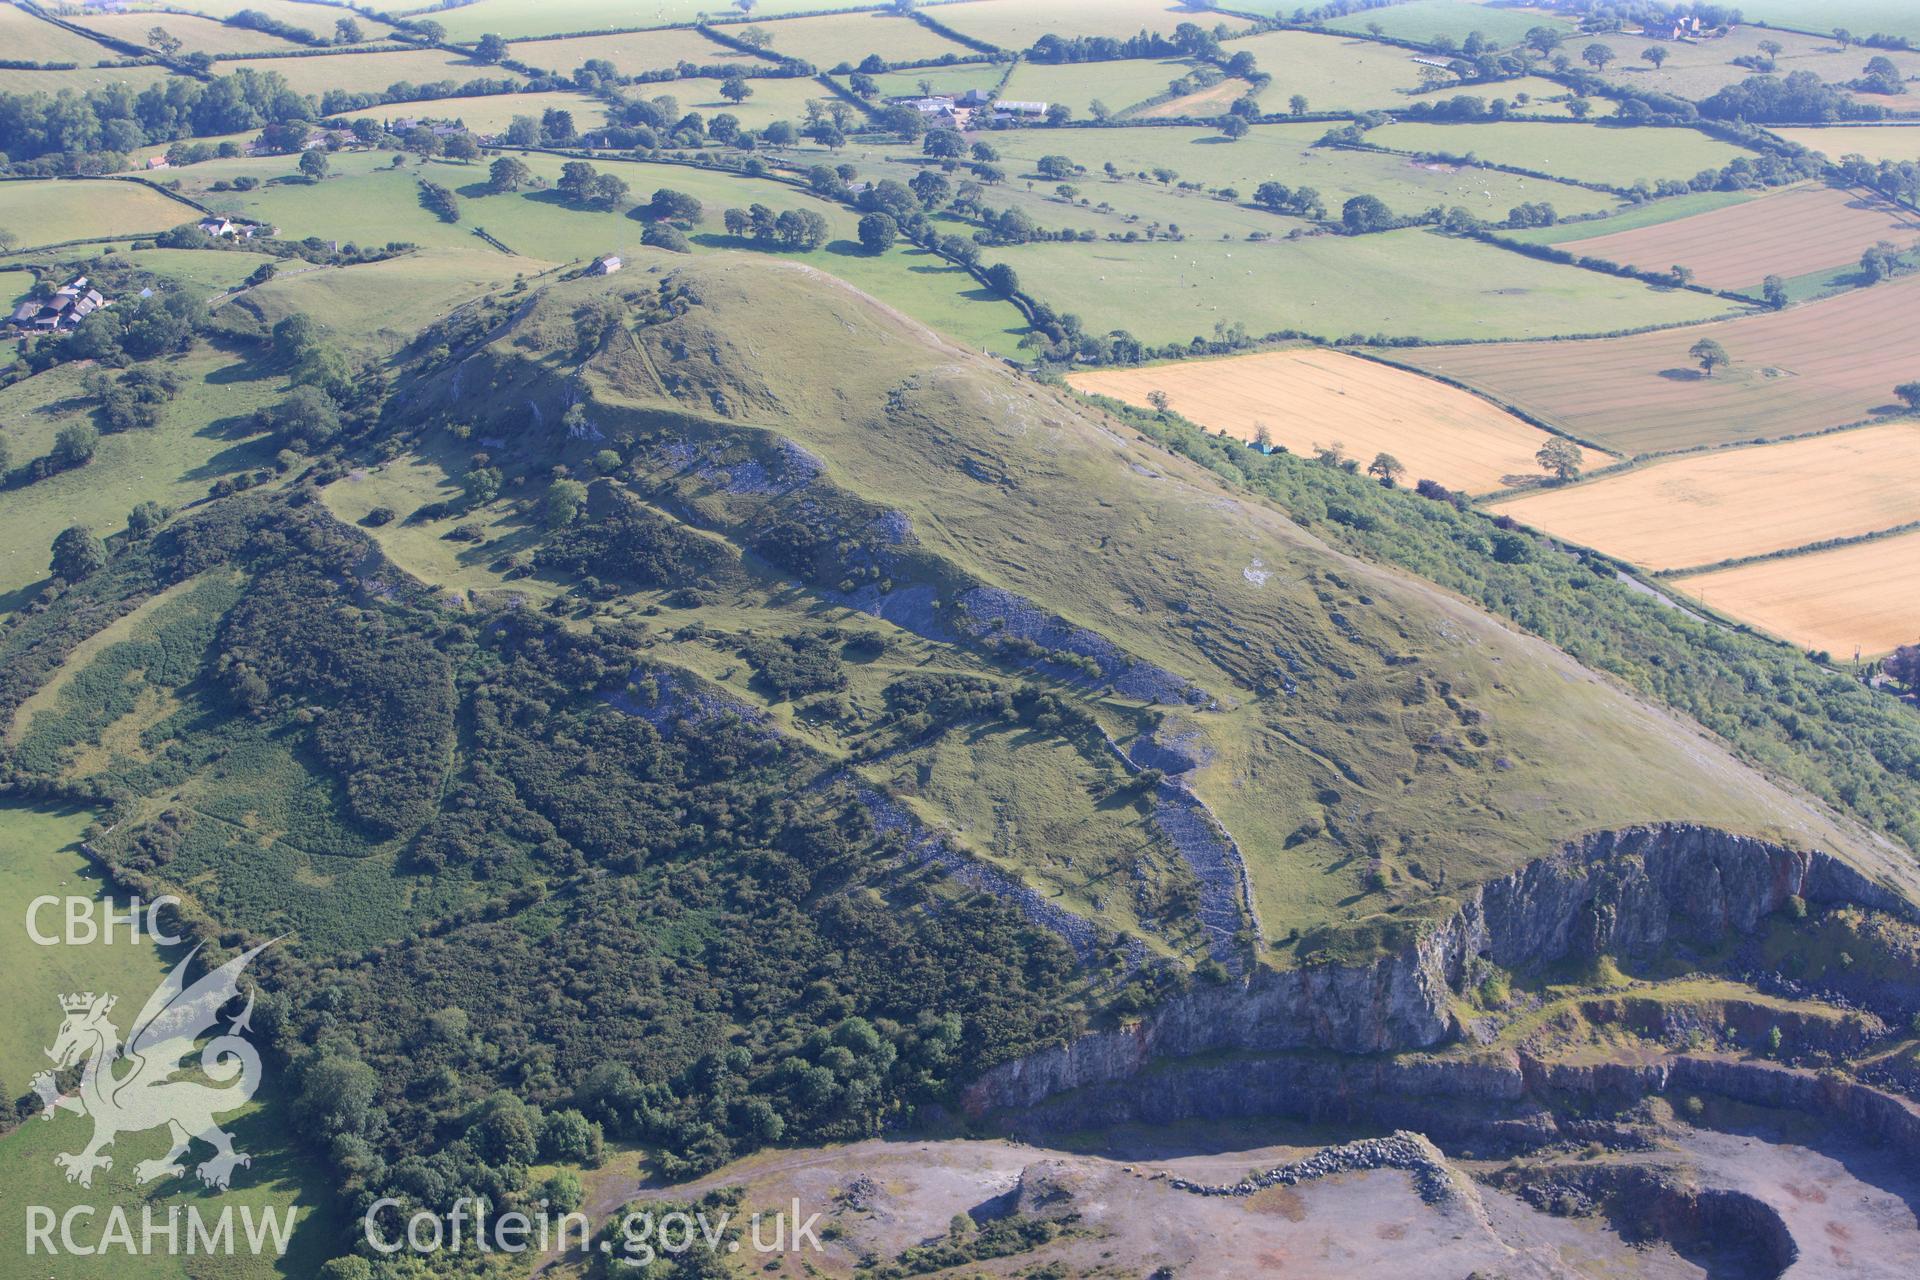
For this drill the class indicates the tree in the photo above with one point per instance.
(608, 190)
(1235, 128)
(1656, 54)
(1880, 261)
(1058, 113)
(144, 519)
(508, 173)
(74, 445)
(1682, 276)
(1159, 401)
(1597, 56)
(877, 232)
(735, 88)
(564, 500)
(1365, 213)
(1579, 108)
(576, 179)
(164, 42)
(1903, 664)
(77, 553)
(347, 31)
(669, 205)
(1909, 393)
(307, 417)
(1774, 290)
(313, 163)
(1386, 468)
(1297, 104)
(492, 48)
(461, 147)
(482, 485)
(1709, 355)
(1002, 279)
(1561, 457)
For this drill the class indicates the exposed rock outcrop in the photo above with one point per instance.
(1628, 893)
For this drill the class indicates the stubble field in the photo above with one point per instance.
(1791, 234)
(1311, 397)
(1734, 503)
(1851, 597)
(1804, 369)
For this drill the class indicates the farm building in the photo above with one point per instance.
(605, 266)
(69, 305)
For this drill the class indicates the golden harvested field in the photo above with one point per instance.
(372, 72)
(1706, 508)
(195, 34)
(1016, 24)
(1866, 596)
(631, 52)
(1875, 142)
(1790, 234)
(1822, 365)
(1308, 397)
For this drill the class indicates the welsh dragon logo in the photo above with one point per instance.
(148, 1093)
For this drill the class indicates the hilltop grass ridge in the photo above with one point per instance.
(1369, 740)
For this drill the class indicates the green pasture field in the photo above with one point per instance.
(15, 284)
(1411, 283)
(215, 271)
(1544, 97)
(1699, 70)
(1425, 19)
(382, 305)
(204, 433)
(373, 72)
(831, 39)
(53, 211)
(1079, 84)
(30, 39)
(947, 80)
(563, 17)
(1630, 218)
(370, 203)
(1334, 73)
(40, 854)
(309, 15)
(1582, 152)
(196, 35)
(82, 78)
(492, 112)
(773, 98)
(1017, 24)
(1285, 153)
(1862, 17)
(632, 52)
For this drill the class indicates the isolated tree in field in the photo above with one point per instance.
(77, 553)
(313, 164)
(1772, 48)
(1235, 128)
(1909, 393)
(564, 500)
(877, 232)
(491, 48)
(1597, 56)
(347, 31)
(74, 445)
(1386, 468)
(163, 42)
(1561, 457)
(1365, 213)
(1159, 401)
(1774, 290)
(482, 485)
(1297, 104)
(1544, 40)
(576, 179)
(736, 89)
(1656, 54)
(508, 173)
(1709, 355)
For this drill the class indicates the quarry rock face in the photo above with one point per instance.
(1627, 893)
